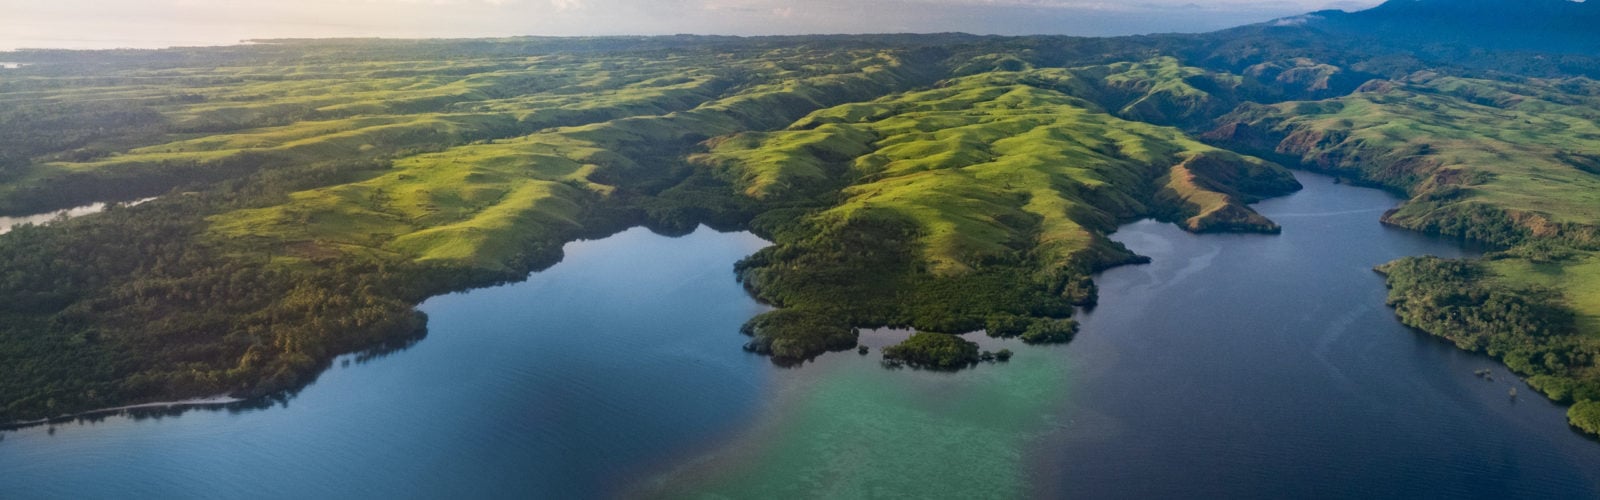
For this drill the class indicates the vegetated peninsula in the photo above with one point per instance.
(311, 192)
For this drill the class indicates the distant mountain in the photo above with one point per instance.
(1544, 25)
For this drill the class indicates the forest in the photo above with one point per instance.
(309, 193)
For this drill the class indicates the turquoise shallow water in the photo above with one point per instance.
(1235, 366)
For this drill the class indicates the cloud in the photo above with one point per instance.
(1295, 20)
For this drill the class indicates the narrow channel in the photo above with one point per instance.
(7, 224)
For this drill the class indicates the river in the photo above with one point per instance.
(1244, 366)
(9, 223)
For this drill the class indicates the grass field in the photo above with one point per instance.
(477, 204)
(1526, 148)
(1000, 182)
(1578, 279)
(973, 162)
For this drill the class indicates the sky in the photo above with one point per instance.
(159, 23)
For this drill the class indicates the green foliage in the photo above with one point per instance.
(1566, 389)
(125, 307)
(1495, 161)
(1033, 330)
(1006, 325)
(1529, 328)
(70, 130)
(792, 335)
(1450, 297)
(983, 203)
(934, 351)
(1585, 416)
(1575, 274)
(1048, 331)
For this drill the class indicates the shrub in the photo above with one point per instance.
(797, 334)
(1586, 416)
(1050, 331)
(935, 351)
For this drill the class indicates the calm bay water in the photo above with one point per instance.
(623, 355)
(1232, 366)
(1245, 366)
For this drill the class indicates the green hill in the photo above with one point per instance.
(312, 192)
(998, 193)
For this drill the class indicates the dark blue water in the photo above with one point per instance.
(1249, 366)
(624, 355)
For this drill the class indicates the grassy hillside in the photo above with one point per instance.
(199, 126)
(998, 192)
(289, 243)
(1492, 161)
(477, 205)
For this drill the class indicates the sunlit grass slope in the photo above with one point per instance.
(1577, 276)
(218, 132)
(1510, 163)
(1002, 188)
(483, 205)
(1529, 151)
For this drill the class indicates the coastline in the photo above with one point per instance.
(196, 402)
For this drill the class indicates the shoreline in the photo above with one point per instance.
(196, 402)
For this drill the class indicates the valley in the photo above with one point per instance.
(309, 194)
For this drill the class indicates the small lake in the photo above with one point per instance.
(1234, 366)
(9, 223)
